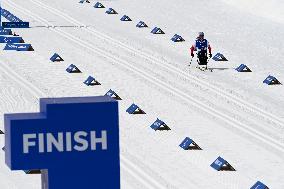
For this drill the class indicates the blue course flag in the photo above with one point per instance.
(271, 80)
(8, 39)
(113, 94)
(74, 141)
(134, 109)
(160, 125)
(243, 68)
(16, 24)
(56, 58)
(141, 24)
(259, 185)
(219, 57)
(18, 47)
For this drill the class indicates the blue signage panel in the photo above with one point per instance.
(18, 47)
(74, 141)
(8, 39)
(11, 46)
(9, 16)
(16, 24)
(5, 32)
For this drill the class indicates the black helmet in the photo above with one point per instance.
(200, 34)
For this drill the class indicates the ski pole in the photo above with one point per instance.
(190, 61)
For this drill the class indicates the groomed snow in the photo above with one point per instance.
(228, 114)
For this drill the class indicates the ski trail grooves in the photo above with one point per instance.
(35, 92)
(229, 120)
(169, 67)
(126, 163)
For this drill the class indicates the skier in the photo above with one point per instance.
(201, 45)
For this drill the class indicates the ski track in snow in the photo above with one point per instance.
(241, 103)
(169, 67)
(162, 77)
(126, 164)
(13, 99)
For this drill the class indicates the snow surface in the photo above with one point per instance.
(228, 114)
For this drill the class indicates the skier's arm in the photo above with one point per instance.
(209, 48)
(192, 48)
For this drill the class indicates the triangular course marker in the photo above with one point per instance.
(177, 38)
(1, 132)
(90, 81)
(111, 11)
(141, 24)
(259, 185)
(73, 69)
(134, 109)
(219, 57)
(83, 1)
(99, 5)
(222, 165)
(243, 68)
(125, 18)
(56, 58)
(160, 125)
(157, 30)
(189, 144)
(113, 95)
(271, 80)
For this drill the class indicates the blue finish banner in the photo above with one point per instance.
(74, 141)
(15, 24)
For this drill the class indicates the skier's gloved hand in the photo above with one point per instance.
(210, 55)
(192, 55)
